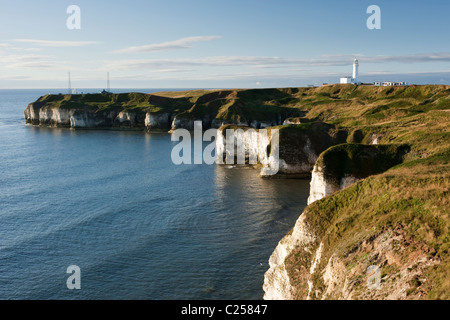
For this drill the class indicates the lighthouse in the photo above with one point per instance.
(354, 78)
(355, 71)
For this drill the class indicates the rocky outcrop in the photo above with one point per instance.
(248, 146)
(83, 117)
(54, 116)
(130, 119)
(375, 138)
(161, 121)
(322, 187)
(180, 122)
(32, 114)
(298, 148)
(343, 165)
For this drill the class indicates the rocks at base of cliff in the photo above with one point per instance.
(342, 165)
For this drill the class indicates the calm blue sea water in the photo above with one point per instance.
(138, 226)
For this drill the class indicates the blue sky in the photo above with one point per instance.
(221, 44)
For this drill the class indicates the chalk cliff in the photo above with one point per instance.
(316, 261)
(163, 111)
(342, 165)
(298, 149)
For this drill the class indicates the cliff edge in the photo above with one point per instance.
(377, 223)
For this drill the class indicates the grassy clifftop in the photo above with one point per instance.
(360, 160)
(397, 220)
(233, 105)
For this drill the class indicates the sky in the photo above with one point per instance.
(221, 44)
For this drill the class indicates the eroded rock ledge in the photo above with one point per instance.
(342, 165)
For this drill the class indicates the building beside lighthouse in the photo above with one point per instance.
(354, 78)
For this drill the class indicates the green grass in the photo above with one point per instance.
(360, 160)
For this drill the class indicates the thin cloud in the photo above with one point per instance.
(14, 58)
(411, 58)
(35, 65)
(218, 61)
(272, 62)
(29, 61)
(182, 43)
(54, 43)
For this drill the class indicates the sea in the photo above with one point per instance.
(137, 226)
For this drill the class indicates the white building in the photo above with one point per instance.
(346, 80)
(389, 83)
(354, 78)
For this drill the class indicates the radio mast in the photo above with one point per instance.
(108, 88)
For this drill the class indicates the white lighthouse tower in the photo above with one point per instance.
(355, 71)
(354, 78)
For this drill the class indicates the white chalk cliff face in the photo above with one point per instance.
(322, 187)
(48, 116)
(277, 283)
(247, 143)
(84, 119)
(157, 120)
(74, 118)
(126, 117)
(55, 116)
(254, 143)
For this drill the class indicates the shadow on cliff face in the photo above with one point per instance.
(303, 143)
